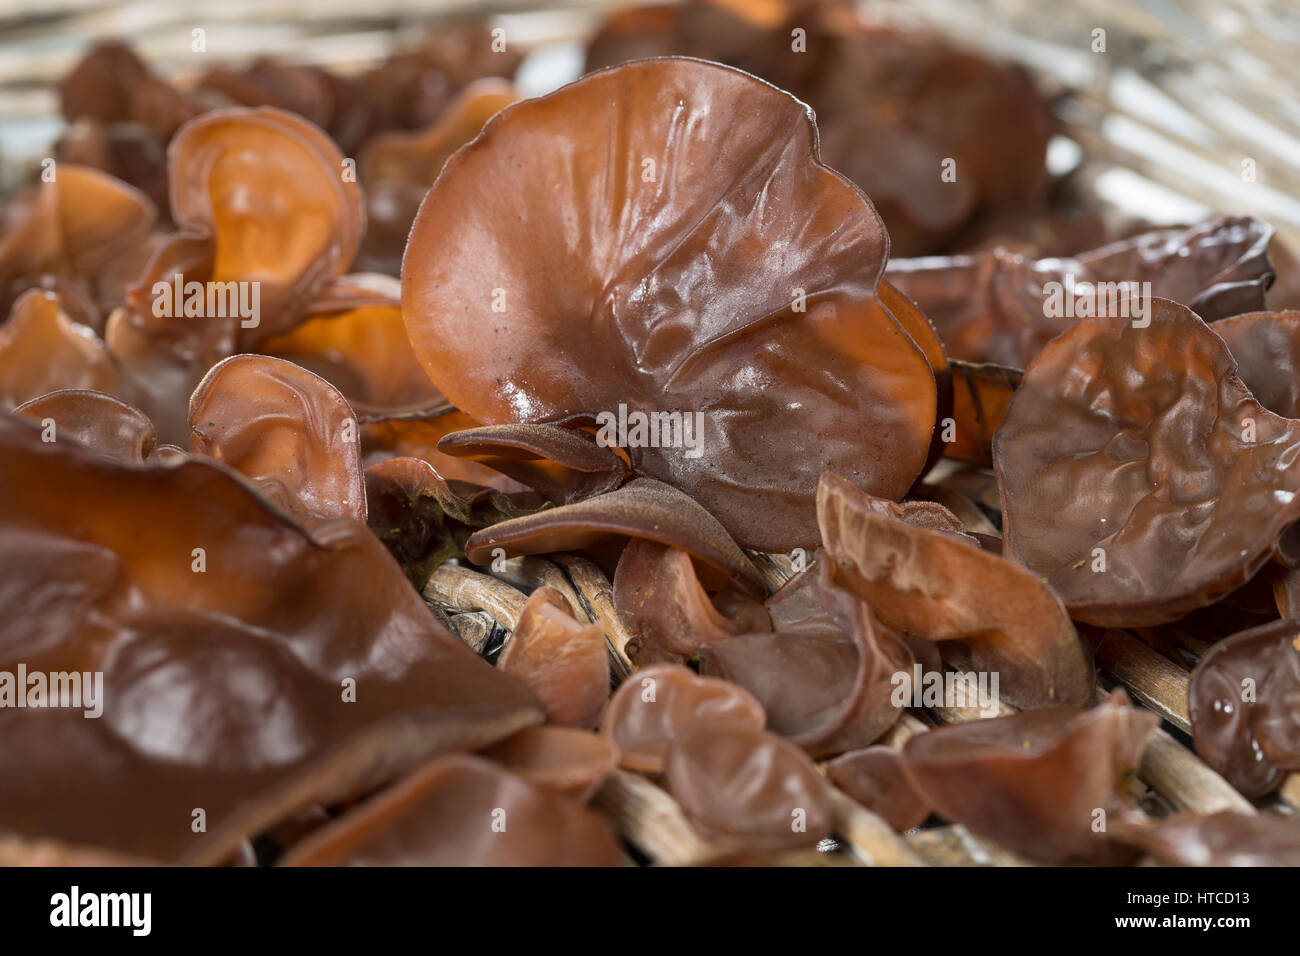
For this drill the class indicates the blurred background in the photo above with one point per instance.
(1176, 110)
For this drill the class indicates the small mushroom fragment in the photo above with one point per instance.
(1040, 782)
(43, 350)
(461, 810)
(645, 287)
(417, 436)
(875, 778)
(574, 762)
(561, 660)
(564, 465)
(1220, 839)
(1139, 477)
(100, 422)
(988, 614)
(1244, 702)
(248, 670)
(825, 683)
(660, 703)
(289, 431)
(424, 519)
(748, 785)
(666, 610)
(643, 508)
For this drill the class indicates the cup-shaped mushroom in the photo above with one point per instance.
(660, 703)
(101, 422)
(691, 266)
(1139, 476)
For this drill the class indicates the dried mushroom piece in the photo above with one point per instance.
(825, 682)
(562, 660)
(100, 422)
(43, 350)
(698, 264)
(1220, 839)
(1002, 307)
(1041, 782)
(247, 669)
(571, 761)
(1244, 702)
(744, 784)
(988, 614)
(875, 778)
(564, 465)
(667, 611)
(288, 431)
(461, 810)
(1139, 476)
(643, 508)
(658, 704)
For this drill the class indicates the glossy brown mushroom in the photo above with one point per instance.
(824, 679)
(1139, 476)
(1266, 348)
(874, 777)
(99, 421)
(640, 284)
(43, 350)
(462, 811)
(988, 614)
(658, 704)
(1220, 839)
(247, 669)
(746, 785)
(1040, 782)
(1244, 702)
(562, 660)
(643, 508)
(289, 431)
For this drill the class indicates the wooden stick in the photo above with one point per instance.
(1150, 676)
(872, 840)
(652, 821)
(463, 589)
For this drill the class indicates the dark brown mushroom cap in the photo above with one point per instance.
(989, 614)
(666, 610)
(562, 660)
(874, 777)
(562, 464)
(1220, 839)
(461, 810)
(825, 682)
(1144, 443)
(101, 422)
(224, 668)
(1244, 702)
(748, 785)
(664, 275)
(1032, 781)
(290, 432)
(660, 703)
(993, 306)
(643, 508)
(112, 84)
(43, 350)
(267, 188)
(1266, 348)
(572, 761)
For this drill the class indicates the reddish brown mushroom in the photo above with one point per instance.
(875, 778)
(1244, 702)
(1040, 782)
(1266, 348)
(660, 703)
(563, 661)
(988, 614)
(1139, 476)
(247, 670)
(574, 762)
(1220, 839)
(42, 350)
(698, 259)
(100, 422)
